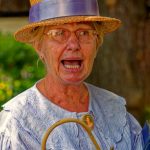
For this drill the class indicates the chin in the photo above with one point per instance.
(73, 81)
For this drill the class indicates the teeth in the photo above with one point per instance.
(72, 66)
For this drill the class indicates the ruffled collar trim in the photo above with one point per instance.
(109, 112)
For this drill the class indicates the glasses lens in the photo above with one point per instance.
(86, 35)
(59, 35)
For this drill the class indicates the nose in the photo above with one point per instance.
(73, 42)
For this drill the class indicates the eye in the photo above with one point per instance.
(59, 33)
(84, 33)
(56, 32)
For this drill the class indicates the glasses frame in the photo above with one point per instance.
(92, 35)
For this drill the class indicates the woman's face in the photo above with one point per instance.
(68, 62)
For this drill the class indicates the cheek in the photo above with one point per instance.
(47, 55)
(52, 56)
(51, 59)
(90, 54)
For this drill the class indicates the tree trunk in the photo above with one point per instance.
(123, 62)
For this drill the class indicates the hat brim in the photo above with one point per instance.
(107, 25)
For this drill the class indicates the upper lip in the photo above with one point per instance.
(72, 58)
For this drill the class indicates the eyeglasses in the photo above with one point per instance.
(62, 35)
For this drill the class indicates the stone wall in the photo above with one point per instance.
(123, 62)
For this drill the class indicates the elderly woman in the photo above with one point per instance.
(66, 35)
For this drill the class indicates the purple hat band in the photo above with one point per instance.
(49, 9)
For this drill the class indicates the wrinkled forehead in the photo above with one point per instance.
(73, 25)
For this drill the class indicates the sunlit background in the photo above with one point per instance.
(122, 65)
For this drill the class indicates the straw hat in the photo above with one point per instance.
(56, 12)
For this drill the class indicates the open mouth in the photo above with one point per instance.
(72, 64)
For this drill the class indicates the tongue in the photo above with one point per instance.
(71, 62)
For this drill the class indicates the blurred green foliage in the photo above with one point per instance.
(18, 67)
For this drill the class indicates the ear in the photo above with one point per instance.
(37, 46)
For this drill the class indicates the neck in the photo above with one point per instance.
(72, 97)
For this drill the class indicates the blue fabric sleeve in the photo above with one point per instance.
(146, 136)
(136, 133)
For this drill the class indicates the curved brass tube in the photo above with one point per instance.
(66, 120)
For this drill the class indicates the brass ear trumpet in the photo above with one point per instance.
(67, 120)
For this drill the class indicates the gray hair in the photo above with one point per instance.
(100, 33)
(36, 34)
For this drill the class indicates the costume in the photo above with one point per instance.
(25, 119)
